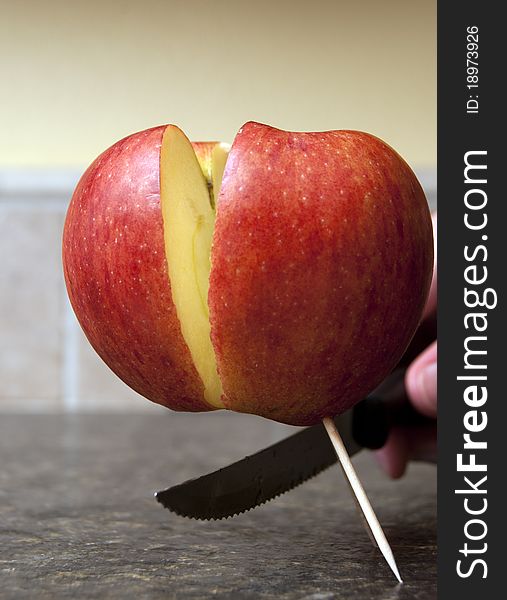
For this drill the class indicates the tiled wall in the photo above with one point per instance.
(45, 361)
(46, 364)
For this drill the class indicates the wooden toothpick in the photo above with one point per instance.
(370, 520)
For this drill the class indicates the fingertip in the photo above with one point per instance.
(393, 456)
(421, 381)
(421, 384)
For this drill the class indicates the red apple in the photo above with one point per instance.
(321, 259)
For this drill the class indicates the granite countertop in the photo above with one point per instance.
(78, 517)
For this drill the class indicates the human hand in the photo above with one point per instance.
(417, 443)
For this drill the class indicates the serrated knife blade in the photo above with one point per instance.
(260, 477)
(283, 466)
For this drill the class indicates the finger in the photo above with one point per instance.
(421, 382)
(405, 444)
(393, 456)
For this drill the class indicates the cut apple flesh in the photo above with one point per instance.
(189, 182)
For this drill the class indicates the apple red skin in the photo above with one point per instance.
(321, 264)
(117, 277)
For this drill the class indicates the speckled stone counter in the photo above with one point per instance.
(78, 518)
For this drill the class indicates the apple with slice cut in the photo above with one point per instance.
(289, 289)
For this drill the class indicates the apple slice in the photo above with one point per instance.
(190, 176)
(117, 275)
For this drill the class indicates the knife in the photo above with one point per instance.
(260, 477)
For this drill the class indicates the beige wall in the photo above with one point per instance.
(78, 75)
(75, 76)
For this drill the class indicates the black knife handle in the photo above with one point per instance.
(386, 407)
